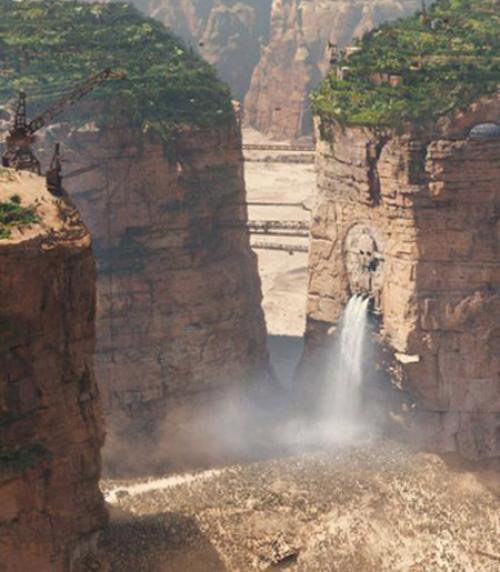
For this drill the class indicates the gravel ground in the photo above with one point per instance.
(377, 507)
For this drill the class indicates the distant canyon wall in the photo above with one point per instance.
(51, 430)
(272, 53)
(229, 34)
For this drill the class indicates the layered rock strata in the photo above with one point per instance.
(426, 209)
(179, 321)
(50, 424)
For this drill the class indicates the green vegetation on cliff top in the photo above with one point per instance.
(440, 61)
(48, 46)
(13, 215)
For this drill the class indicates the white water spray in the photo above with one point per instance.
(345, 395)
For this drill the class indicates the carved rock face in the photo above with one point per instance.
(363, 261)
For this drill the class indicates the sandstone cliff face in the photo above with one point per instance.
(179, 321)
(50, 427)
(428, 207)
(297, 56)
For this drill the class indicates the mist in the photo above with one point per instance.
(268, 416)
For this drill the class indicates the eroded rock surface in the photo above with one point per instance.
(374, 507)
(50, 425)
(430, 203)
(179, 320)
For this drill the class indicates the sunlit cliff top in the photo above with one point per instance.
(48, 46)
(29, 213)
(416, 69)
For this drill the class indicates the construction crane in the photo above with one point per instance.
(53, 174)
(19, 154)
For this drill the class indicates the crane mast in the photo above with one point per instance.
(19, 154)
(20, 117)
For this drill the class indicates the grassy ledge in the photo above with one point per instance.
(13, 215)
(415, 70)
(47, 46)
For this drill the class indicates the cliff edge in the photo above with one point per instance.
(50, 426)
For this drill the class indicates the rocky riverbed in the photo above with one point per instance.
(372, 507)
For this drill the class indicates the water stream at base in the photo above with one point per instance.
(345, 392)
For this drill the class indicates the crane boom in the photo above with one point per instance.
(71, 98)
(19, 154)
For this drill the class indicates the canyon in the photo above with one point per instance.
(272, 53)
(51, 430)
(147, 302)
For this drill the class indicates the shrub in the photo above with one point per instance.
(13, 215)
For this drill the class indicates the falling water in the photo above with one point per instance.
(347, 378)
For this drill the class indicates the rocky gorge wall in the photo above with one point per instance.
(273, 52)
(413, 220)
(50, 425)
(179, 321)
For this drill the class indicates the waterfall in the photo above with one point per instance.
(346, 379)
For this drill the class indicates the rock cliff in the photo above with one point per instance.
(407, 211)
(154, 164)
(431, 221)
(50, 424)
(179, 321)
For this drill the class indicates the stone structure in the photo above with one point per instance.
(179, 321)
(50, 424)
(414, 221)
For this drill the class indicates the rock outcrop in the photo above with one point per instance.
(50, 424)
(425, 207)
